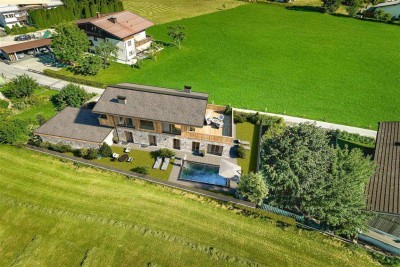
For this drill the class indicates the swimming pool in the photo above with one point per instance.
(202, 173)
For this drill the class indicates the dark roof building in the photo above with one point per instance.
(119, 24)
(154, 103)
(75, 124)
(383, 190)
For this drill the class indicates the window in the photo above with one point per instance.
(171, 128)
(177, 144)
(126, 122)
(215, 150)
(195, 146)
(103, 116)
(146, 125)
(129, 43)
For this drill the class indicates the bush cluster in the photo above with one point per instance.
(71, 95)
(105, 150)
(241, 152)
(3, 104)
(16, 29)
(54, 74)
(141, 169)
(333, 134)
(91, 153)
(20, 86)
(15, 132)
(165, 153)
(255, 118)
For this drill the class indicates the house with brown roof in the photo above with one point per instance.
(146, 115)
(124, 29)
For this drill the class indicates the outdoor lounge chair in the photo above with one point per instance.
(165, 164)
(127, 150)
(115, 155)
(157, 163)
(221, 117)
(130, 159)
(208, 120)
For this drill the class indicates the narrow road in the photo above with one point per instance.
(9, 71)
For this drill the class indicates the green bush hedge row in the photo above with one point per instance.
(54, 74)
(263, 213)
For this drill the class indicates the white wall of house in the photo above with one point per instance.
(109, 139)
(393, 10)
(9, 19)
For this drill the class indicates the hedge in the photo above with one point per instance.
(54, 74)
(263, 213)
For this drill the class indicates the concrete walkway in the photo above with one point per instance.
(322, 124)
(9, 71)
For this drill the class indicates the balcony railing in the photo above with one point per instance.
(144, 41)
(207, 137)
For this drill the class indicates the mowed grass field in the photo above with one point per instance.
(269, 58)
(161, 11)
(53, 213)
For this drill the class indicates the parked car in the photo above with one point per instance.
(22, 38)
(30, 52)
(20, 55)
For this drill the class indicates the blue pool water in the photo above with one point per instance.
(202, 173)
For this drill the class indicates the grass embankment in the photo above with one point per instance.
(56, 213)
(247, 131)
(284, 61)
(161, 11)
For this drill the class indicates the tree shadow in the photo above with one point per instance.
(306, 8)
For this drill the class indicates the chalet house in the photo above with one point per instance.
(392, 7)
(17, 14)
(383, 190)
(145, 115)
(124, 29)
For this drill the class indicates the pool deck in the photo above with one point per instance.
(207, 159)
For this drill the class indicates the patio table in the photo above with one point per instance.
(123, 158)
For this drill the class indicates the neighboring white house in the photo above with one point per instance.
(11, 15)
(392, 7)
(124, 29)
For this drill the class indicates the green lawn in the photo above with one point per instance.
(44, 106)
(141, 158)
(266, 57)
(160, 11)
(55, 213)
(248, 132)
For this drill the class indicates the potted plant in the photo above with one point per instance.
(202, 152)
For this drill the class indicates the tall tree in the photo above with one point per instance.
(252, 187)
(107, 51)
(177, 35)
(21, 86)
(305, 173)
(330, 6)
(69, 43)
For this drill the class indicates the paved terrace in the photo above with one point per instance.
(207, 159)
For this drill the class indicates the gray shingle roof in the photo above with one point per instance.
(154, 103)
(383, 191)
(75, 123)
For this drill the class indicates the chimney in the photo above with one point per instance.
(121, 99)
(97, 14)
(187, 89)
(113, 19)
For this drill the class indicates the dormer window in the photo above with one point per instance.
(121, 99)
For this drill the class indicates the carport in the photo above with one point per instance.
(10, 51)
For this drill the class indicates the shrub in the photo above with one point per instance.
(71, 95)
(141, 169)
(254, 118)
(381, 15)
(81, 152)
(165, 153)
(14, 132)
(62, 148)
(115, 140)
(20, 86)
(241, 152)
(252, 187)
(239, 117)
(228, 109)
(92, 153)
(105, 150)
(54, 74)
(40, 119)
(3, 104)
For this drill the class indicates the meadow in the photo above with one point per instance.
(57, 213)
(161, 11)
(281, 60)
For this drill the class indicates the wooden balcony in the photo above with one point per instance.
(144, 41)
(212, 133)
